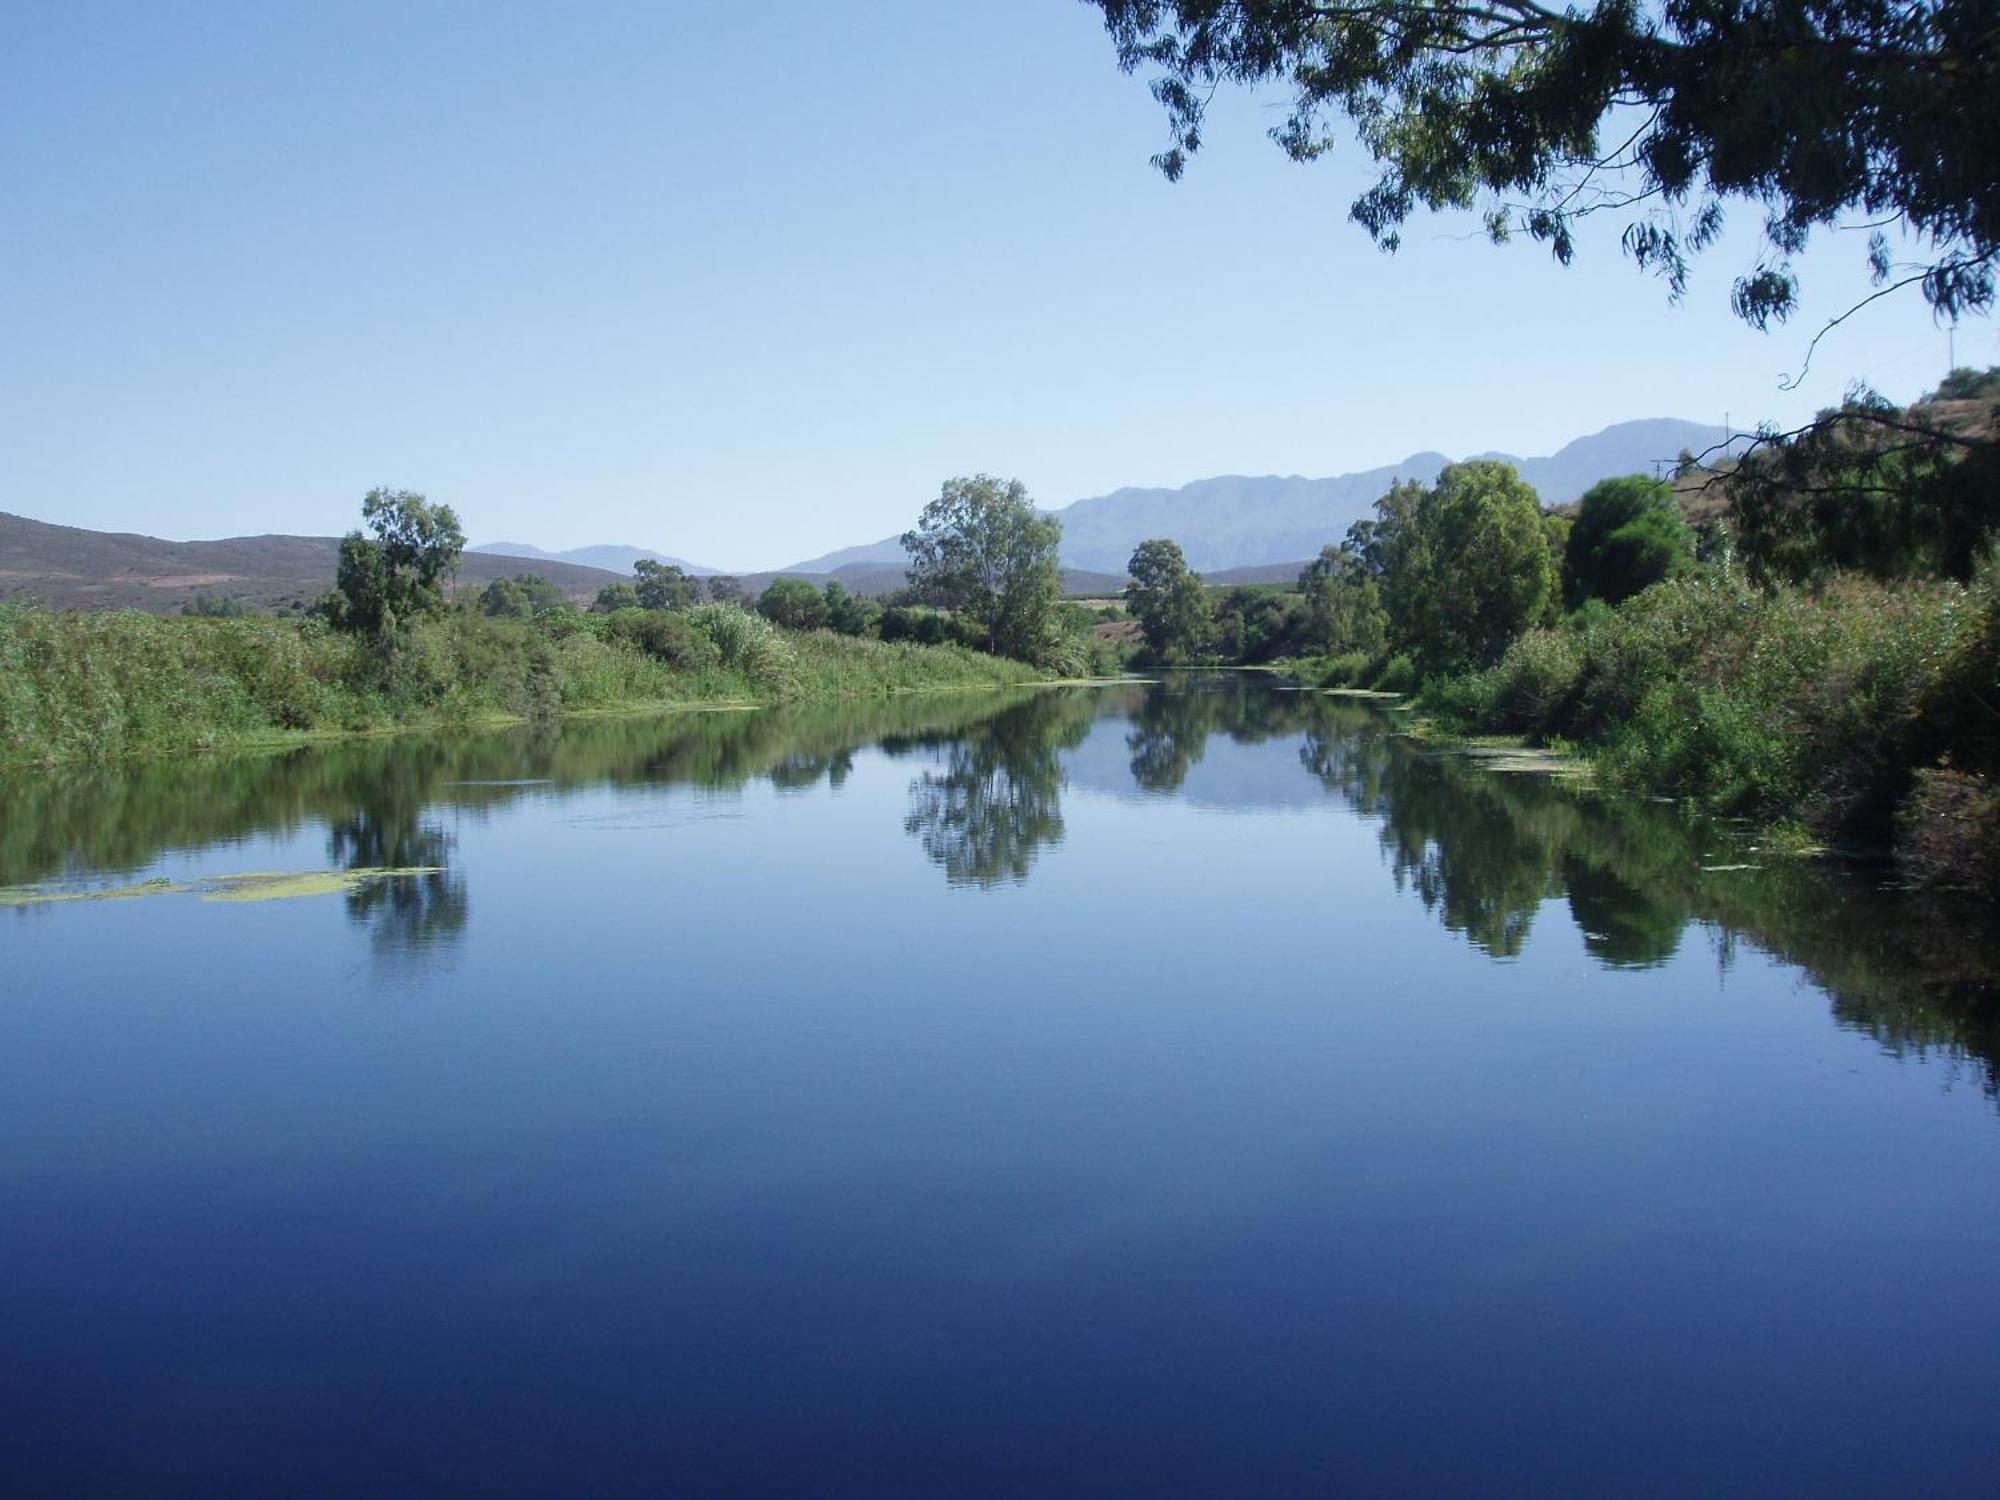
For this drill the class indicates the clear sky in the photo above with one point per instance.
(745, 283)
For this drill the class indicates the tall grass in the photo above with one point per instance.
(96, 686)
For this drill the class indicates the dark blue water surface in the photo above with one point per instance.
(1194, 1089)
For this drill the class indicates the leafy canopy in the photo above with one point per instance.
(981, 549)
(522, 597)
(793, 603)
(1168, 600)
(1814, 112)
(847, 613)
(1628, 535)
(614, 597)
(1466, 564)
(1343, 603)
(1871, 487)
(661, 585)
(400, 572)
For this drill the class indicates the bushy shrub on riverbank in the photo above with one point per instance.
(93, 686)
(1829, 705)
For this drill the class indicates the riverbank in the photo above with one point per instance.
(1860, 712)
(83, 687)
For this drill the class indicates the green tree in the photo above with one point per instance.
(793, 603)
(1628, 535)
(1343, 603)
(521, 597)
(847, 613)
(215, 606)
(399, 573)
(1875, 110)
(614, 597)
(1869, 487)
(981, 549)
(1257, 623)
(1469, 569)
(723, 588)
(1168, 600)
(664, 585)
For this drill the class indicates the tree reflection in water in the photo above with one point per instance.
(1486, 851)
(405, 914)
(1172, 724)
(998, 799)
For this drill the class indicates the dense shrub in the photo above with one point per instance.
(667, 636)
(1784, 703)
(1529, 689)
(849, 614)
(1349, 669)
(748, 644)
(1398, 675)
(793, 603)
(926, 626)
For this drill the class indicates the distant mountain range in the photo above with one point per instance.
(1238, 521)
(1233, 529)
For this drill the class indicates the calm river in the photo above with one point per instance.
(1193, 1089)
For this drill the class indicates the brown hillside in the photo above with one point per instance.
(68, 567)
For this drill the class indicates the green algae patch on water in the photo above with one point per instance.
(257, 885)
(266, 885)
(47, 895)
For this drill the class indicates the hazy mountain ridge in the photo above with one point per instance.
(1233, 528)
(1238, 521)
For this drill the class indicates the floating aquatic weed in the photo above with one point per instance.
(1524, 760)
(258, 885)
(267, 885)
(51, 895)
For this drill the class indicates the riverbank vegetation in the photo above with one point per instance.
(94, 686)
(1807, 633)
(388, 647)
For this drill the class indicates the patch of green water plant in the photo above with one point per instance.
(256, 885)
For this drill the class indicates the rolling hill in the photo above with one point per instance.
(68, 567)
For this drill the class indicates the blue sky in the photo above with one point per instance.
(746, 283)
